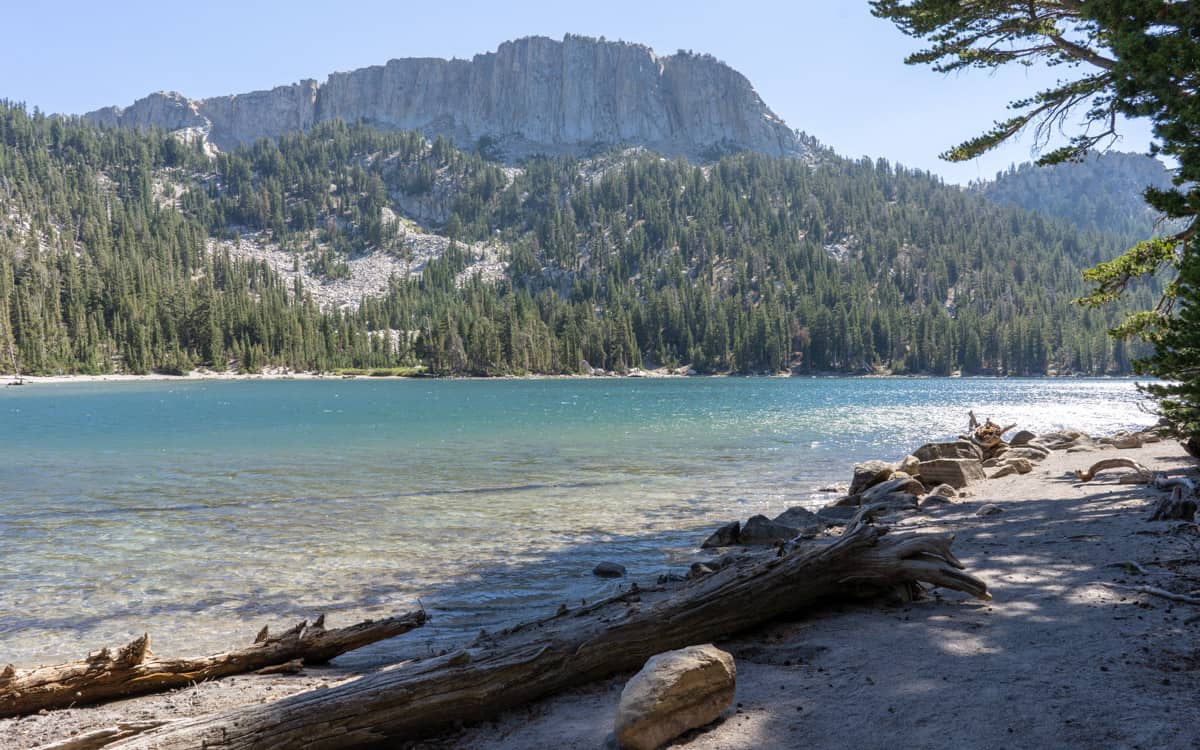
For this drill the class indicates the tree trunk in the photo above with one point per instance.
(537, 659)
(134, 670)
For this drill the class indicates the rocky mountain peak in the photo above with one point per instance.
(531, 95)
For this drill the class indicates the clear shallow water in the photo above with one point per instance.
(200, 511)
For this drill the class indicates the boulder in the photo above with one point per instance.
(957, 449)
(935, 501)
(944, 490)
(1003, 471)
(1022, 465)
(762, 530)
(896, 501)
(1125, 441)
(990, 509)
(837, 515)
(896, 484)
(609, 570)
(1021, 438)
(909, 465)
(726, 536)
(801, 518)
(849, 501)
(870, 473)
(1027, 452)
(956, 472)
(676, 691)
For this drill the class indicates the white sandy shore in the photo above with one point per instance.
(1066, 656)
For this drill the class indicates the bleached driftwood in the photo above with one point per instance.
(134, 670)
(1142, 474)
(576, 647)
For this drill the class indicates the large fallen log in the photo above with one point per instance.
(1141, 474)
(538, 659)
(135, 670)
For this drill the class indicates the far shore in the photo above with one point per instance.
(7, 379)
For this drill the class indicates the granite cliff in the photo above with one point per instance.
(531, 95)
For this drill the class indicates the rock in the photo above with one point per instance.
(1125, 441)
(1150, 437)
(870, 473)
(608, 570)
(760, 530)
(665, 578)
(944, 490)
(896, 501)
(896, 484)
(801, 518)
(675, 691)
(909, 465)
(991, 463)
(1022, 465)
(1021, 438)
(957, 449)
(990, 509)
(1003, 471)
(726, 536)
(698, 570)
(837, 515)
(956, 472)
(531, 95)
(849, 501)
(1027, 452)
(935, 501)
(1081, 449)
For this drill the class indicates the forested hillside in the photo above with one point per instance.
(1102, 192)
(751, 264)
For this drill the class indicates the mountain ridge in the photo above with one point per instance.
(533, 95)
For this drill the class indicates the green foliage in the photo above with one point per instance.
(751, 264)
(1142, 58)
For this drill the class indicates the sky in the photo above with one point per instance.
(827, 67)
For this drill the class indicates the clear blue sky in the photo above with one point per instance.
(826, 66)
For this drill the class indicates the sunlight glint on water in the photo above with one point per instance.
(201, 511)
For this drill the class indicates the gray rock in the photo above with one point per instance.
(896, 501)
(674, 692)
(1003, 471)
(1027, 452)
(726, 536)
(909, 465)
(608, 570)
(956, 472)
(1022, 465)
(803, 519)
(530, 95)
(957, 449)
(837, 515)
(870, 473)
(760, 530)
(944, 490)
(1022, 437)
(990, 509)
(904, 484)
(935, 501)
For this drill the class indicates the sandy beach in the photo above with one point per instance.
(1068, 653)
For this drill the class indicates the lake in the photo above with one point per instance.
(201, 510)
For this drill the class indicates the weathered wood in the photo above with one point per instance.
(135, 670)
(1177, 506)
(1142, 474)
(523, 664)
(98, 738)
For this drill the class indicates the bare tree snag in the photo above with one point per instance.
(1142, 474)
(1175, 507)
(135, 670)
(577, 647)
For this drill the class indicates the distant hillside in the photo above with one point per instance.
(345, 246)
(1101, 193)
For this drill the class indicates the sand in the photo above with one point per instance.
(1067, 655)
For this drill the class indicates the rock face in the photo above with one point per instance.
(956, 472)
(531, 95)
(675, 691)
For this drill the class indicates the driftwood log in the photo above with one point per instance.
(1141, 474)
(134, 670)
(574, 647)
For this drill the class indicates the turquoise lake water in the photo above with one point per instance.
(201, 510)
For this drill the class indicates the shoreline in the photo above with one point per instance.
(1050, 662)
(281, 374)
